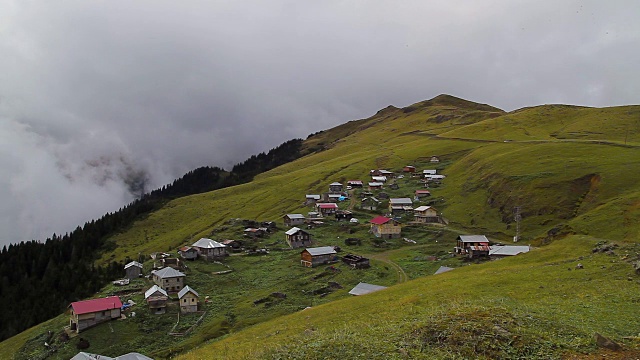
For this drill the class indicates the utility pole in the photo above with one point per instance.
(517, 217)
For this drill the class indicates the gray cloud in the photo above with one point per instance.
(92, 93)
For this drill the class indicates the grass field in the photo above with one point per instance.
(572, 170)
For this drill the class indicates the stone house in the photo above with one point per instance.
(209, 249)
(169, 279)
(188, 300)
(156, 299)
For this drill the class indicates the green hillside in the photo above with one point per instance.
(572, 170)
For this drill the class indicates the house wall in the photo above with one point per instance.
(299, 240)
(132, 272)
(212, 253)
(189, 303)
(386, 231)
(290, 222)
(173, 284)
(189, 255)
(85, 321)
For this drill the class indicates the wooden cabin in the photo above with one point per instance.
(169, 279)
(374, 185)
(156, 299)
(326, 209)
(293, 219)
(426, 214)
(312, 257)
(311, 199)
(335, 187)
(209, 249)
(422, 194)
(409, 169)
(369, 203)
(88, 313)
(297, 238)
(473, 246)
(133, 270)
(385, 228)
(188, 299)
(343, 215)
(400, 205)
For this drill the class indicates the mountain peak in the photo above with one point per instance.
(450, 100)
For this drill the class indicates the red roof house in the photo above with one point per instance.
(384, 227)
(88, 313)
(326, 208)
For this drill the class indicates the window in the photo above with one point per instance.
(192, 299)
(184, 300)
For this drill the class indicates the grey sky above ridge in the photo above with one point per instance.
(94, 94)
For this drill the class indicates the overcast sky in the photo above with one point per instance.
(93, 93)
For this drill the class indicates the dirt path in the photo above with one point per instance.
(384, 257)
(352, 200)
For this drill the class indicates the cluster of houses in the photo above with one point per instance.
(167, 280)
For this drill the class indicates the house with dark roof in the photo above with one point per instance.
(472, 246)
(355, 183)
(188, 300)
(335, 187)
(133, 270)
(88, 313)
(385, 228)
(409, 169)
(169, 279)
(374, 185)
(312, 257)
(210, 249)
(369, 203)
(419, 194)
(156, 299)
(297, 238)
(293, 219)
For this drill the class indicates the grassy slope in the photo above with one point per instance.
(589, 188)
(536, 304)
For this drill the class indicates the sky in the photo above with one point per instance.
(97, 94)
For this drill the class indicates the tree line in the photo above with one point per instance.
(38, 280)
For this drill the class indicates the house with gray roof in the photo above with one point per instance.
(188, 300)
(472, 246)
(312, 257)
(297, 238)
(400, 205)
(210, 249)
(169, 279)
(293, 219)
(133, 270)
(156, 299)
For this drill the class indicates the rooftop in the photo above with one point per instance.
(185, 290)
(323, 250)
(93, 305)
(293, 230)
(364, 288)
(379, 220)
(167, 272)
(153, 290)
(133, 263)
(508, 250)
(207, 244)
(473, 238)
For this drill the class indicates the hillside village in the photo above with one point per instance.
(395, 260)
(371, 204)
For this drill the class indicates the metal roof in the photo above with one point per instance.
(152, 291)
(93, 305)
(207, 244)
(442, 269)
(294, 230)
(132, 356)
(328, 206)
(400, 201)
(87, 356)
(364, 288)
(335, 184)
(430, 172)
(354, 182)
(375, 184)
(379, 178)
(315, 197)
(508, 250)
(167, 272)
(185, 290)
(133, 263)
(323, 250)
(473, 238)
(379, 220)
(295, 216)
(423, 208)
